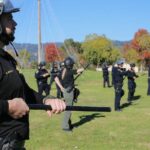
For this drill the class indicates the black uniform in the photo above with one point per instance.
(113, 75)
(148, 91)
(131, 84)
(105, 76)
(42, 81)
(55, 71)
(118, 84)
(13, 85)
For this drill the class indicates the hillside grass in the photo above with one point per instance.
(126, 130)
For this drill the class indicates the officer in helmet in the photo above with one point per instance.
(148, 90)
(131, 75)
(55, 71)
(15, 93)
(118, 83)
(42, 76)
(105, 75)
(67, 87)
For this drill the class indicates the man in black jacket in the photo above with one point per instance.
(131, 82)
(42, 76)
(148, 90)
(118, 83)
(105, 75)
(15, 93)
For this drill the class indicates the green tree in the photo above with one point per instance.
(100, 49)
(131, 56)
(70, 46)
(24, 57)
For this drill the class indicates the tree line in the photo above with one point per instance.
(95, 49)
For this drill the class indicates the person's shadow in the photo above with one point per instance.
(136, 97)
(86, 118)
(128, 104)
(125, 105)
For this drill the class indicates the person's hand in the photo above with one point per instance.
(62, 89)
(80, 70)
(17, 108)
(57, 106)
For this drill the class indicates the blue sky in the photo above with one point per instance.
(62, 19)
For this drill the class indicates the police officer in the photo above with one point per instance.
(67, 87)
(105, 75)
(15, 93)
(148, 91)
(131, 82)
(41, 76)
(113, 71)
(55, 71)
(118, 83)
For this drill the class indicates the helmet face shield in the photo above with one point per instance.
(69, 63)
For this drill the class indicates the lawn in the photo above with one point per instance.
(126, 130)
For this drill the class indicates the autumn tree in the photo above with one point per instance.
(52, 53)
(139, 48)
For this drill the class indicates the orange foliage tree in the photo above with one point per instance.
(141, 44)
(53, 53)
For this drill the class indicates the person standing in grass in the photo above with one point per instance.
(148, 90)
(118, 83)
(105, 75)
(131, 82)
(67, 87)
(42, 76)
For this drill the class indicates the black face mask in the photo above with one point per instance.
(6, 39)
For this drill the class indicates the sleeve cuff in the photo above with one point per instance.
(4, 107)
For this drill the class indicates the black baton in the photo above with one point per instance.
(70, 108)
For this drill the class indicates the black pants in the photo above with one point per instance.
(148, 91)
(118, 94)
(131, 90)
(11, 144)
(43, 87)
(106, 81)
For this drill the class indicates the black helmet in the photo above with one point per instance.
(132, 65)
(69, 63)
(41, 64)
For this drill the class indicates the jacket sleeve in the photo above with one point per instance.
(3, 107)
(31, 96)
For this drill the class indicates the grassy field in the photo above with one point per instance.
(126, 130)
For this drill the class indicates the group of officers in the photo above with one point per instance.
(16, 94)
(63, 76)
(118, 75)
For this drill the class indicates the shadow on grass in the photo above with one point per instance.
(128, 104)
(86, 118)
(125, 105)
(136, 97)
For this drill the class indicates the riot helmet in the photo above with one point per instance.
(42, 64)
(132, 65)
(68, 63)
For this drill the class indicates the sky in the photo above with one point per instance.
(63, 19)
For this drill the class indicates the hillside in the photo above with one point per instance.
(32, 48)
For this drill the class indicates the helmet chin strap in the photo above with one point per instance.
(14, 49)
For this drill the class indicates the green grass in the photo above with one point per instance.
(126, 130)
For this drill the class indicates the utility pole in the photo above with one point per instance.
(39, 31)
